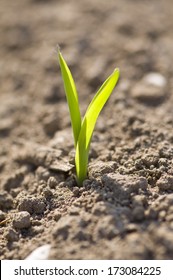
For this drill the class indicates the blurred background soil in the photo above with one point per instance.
(124, 210)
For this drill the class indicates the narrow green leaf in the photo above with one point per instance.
(88, 124)
(72, 97)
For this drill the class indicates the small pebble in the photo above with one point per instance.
(162, 214)
(52, 182)
(76, 191)
(62, 185)
(40, 253)
(12, 235)
(57, 215)
(151, 89)
(155, 79)
(74, 211)
(22, 220)
(138, 213)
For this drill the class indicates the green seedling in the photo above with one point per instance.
(83, 128)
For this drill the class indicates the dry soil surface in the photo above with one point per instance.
(124, 210)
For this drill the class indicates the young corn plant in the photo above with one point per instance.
(83, 128)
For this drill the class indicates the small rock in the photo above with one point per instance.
(131, 228)
(76, 191)
(12, 235)
(52, 182)
(38, 229)
(22, 220)
(151, 90)
(162, 215)
(74, 211)
(40, 253)
(155, 79)
(62, 185)
(57, 215)
(149, 95)
(138, 213)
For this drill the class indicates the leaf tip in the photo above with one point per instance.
(117, 70)
(58, 48)
(116, 73)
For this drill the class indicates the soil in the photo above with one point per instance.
(124, 210)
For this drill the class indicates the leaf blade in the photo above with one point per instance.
(72, 97)
(98, 103)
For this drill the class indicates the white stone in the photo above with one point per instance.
(40, 253)
(155, 79)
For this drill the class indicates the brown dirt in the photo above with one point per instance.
(124, 210)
